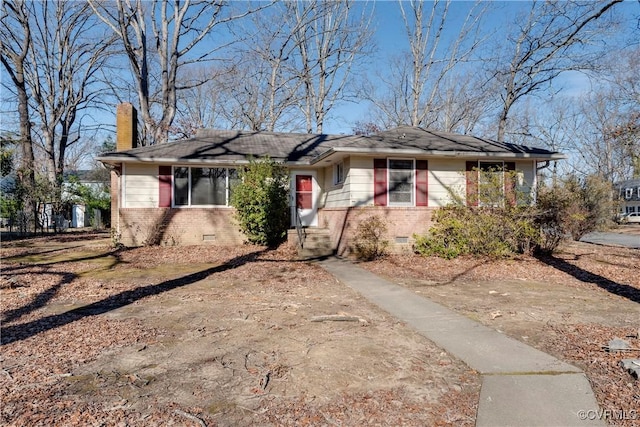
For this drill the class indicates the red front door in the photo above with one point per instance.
(303, 206)
(304, 191)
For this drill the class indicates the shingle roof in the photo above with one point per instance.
(209, 146)
(423, 139)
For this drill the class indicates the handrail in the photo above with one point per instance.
(302, 233)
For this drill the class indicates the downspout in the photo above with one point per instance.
(538, 168)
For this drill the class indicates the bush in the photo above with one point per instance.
(370, 243)
(496, 232)
(570, 209)
(261, 200)
(573, 208)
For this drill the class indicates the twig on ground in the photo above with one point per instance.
(7, 373)
(336, 318)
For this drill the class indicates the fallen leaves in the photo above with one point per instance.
(61, 305)
(593, 273)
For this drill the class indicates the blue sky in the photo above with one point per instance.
(391, 38)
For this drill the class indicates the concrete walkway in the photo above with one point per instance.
(628, 240)
(521, 386)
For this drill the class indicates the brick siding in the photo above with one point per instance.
(168, 226)
(402, 223)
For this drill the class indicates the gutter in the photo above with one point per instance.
(436, 153)
(113, 160)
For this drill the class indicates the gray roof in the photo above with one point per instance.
(215, 146)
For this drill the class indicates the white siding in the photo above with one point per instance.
(335, 196)
(140, 187)
(527, 178)
(447, 177)
(447, 180)
(361, 181)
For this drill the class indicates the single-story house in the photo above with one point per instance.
(629, 194)
(178, 192)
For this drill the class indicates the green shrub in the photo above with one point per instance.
(573, 208)
(261, 200)
(369, 239)
(496, 232)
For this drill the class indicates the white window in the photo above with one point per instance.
(401, 179)
(638, 192)
(202, 186)
(338, 173)
(628, 193)
(630, 209)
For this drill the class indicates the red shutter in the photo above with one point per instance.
(165, 179)
(510, 183)
(422, 181)
(380, 182)
(472, 184)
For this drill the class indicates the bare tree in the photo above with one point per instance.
(461, 103)
(328, 49)
(624, 85)
(15, 44)
(200, 106)
(67, 53)
(551, 39)
(264, 88)
(423, 87)
(164, 34)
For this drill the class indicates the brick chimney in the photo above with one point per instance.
(126, 127)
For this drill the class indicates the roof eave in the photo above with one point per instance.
(114, 160)
(436, 153)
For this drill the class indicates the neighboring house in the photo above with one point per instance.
(7, 189)
(178, 192)
(77, 213)
(629, 193)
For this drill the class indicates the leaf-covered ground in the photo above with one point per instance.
(569, 305)
(207, 336)
(224, 336)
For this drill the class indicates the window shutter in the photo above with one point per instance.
(164, 183)
(510, 183)
(380, 182)
(472, 184)
(422, 174)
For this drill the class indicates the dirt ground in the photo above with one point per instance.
(231, 336)
(569, 305)
(207, 336)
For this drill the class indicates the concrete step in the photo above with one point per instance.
(307, 253)
(317, 244)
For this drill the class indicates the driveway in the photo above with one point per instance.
(627, 236)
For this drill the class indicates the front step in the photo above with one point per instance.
(317, 243)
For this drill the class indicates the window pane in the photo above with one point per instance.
(401, 182)
(181, 186)
(397, 197)
(401, 164)
(234, 179)
(208, 186)
(219, 186)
